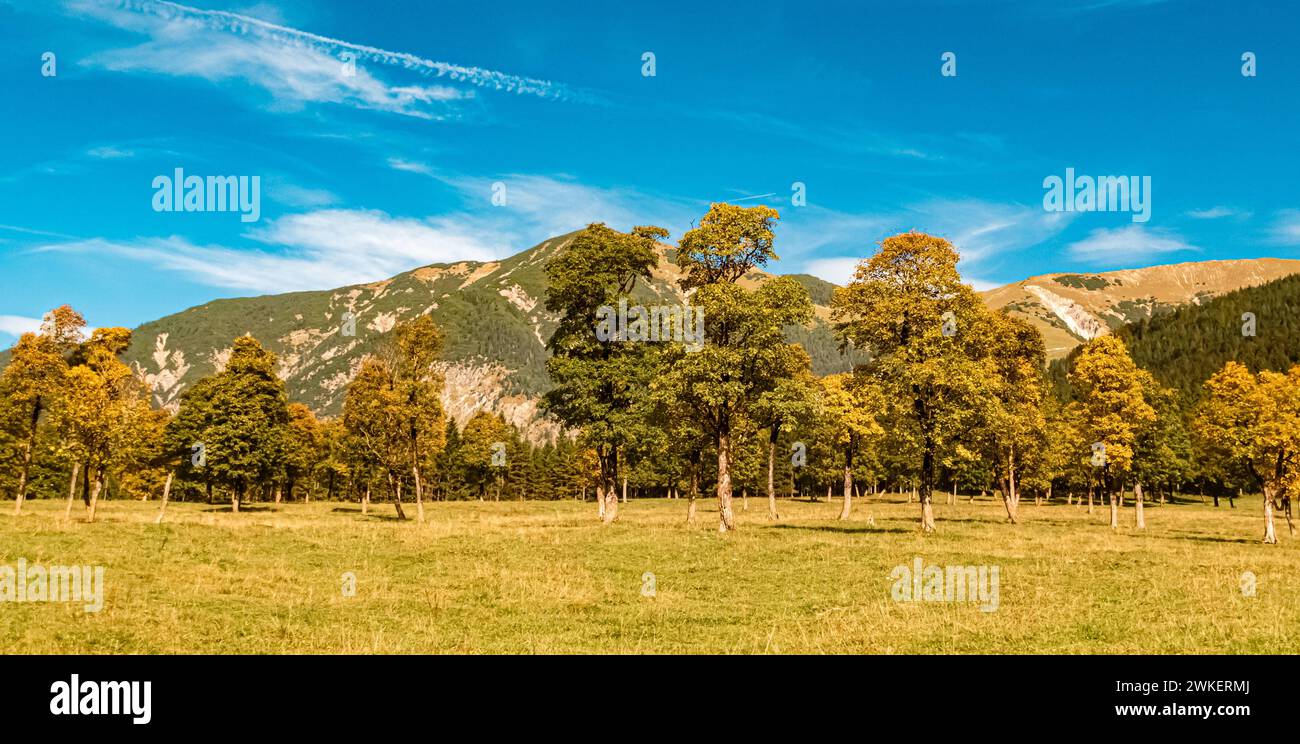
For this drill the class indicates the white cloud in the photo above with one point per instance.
(1286, 228)
(1217, 212)
(294, 66)
(328, 248)
(17, 325)
(109, 152)
(837, 270)
(1127, 244)
(829, 243)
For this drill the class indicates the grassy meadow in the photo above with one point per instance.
(547, 577)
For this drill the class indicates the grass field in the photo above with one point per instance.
(548, 577)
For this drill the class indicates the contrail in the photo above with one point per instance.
(243, 25)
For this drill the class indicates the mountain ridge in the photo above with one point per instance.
(496, 324)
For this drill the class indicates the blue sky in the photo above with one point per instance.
(370, 174)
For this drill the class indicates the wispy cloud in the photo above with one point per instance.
(293, 65)
(1127, 244)
(1218, 213)
(829, 243)
(328, 248)
(1286, 228)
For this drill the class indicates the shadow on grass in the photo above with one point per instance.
(847, 529)
(242, 509)
(1178, 535)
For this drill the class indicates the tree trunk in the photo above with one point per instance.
(1114, 511)
(600, 498)
(771, 475)
(72, 489)
(927, 488)
(28, 447)
(624, 488)
(1137, 504)
(726, 518)
(848, 485)
(365, 501)
(396, 485)
(611, 486)
(1090, 498)
(1270, 535)
(1009, 496)
(695, 490)
(99, 483)
(167, 490)
(419, 495)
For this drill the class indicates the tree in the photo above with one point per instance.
(485, 452)
(597, 383)
(1251, 425)
(104, 409)
(791, 401)
(728, 244)
(303, 444)
(1014, 422)
(373, 417)
(851, 404)
(418, 344)
(744, 356)
(906, 306)
(1112, 410)
(33, 380)
(243, 438)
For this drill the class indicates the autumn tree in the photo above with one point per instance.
(907, 307)
(1112, 411)
(103, 410)
(1013, 423)
(485, 452)
(850, 404)
(302, 445)
(1251, 425)
(33, 380)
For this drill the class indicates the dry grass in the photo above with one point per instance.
(547, 577)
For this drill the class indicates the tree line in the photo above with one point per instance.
(952, 396)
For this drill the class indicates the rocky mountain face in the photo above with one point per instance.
(493, 314)
(1069, 309)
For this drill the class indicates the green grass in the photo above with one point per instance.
(547, 577)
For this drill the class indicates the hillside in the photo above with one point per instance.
(1071, 308)
(493, 314)
(1185, 346)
